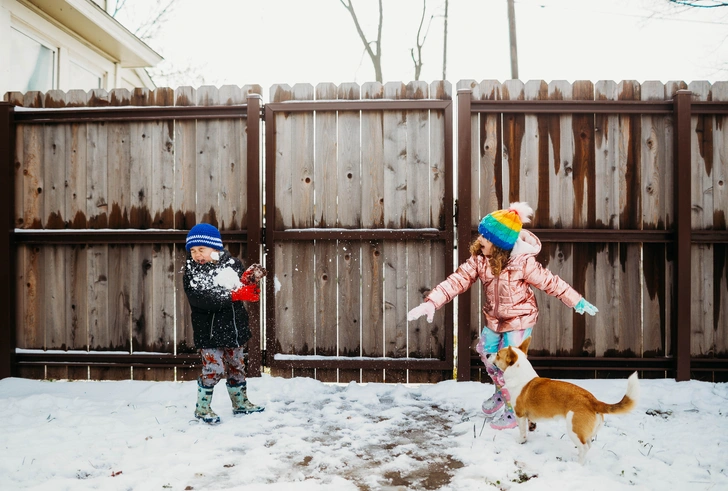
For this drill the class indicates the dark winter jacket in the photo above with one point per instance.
(217, 321)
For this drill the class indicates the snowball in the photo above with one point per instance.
(228, 278)
(215, 256)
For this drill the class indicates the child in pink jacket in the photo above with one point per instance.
(503, 258)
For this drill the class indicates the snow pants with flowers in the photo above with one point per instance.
(222, 362)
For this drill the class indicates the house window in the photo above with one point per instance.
(83, 78)
(33, 63)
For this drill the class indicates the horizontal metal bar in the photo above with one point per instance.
(573, 107)
(358, 234)
(608, 363)
(127, 113)
(108, 359)
(140, 236)
(388, 363)
(709, 107)
(588, 361)
(600, 235)
(127, 236)
(710, 236)
(360, 105)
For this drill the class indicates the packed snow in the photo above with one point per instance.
(138, 435)
(228, 278)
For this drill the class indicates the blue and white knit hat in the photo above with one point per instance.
(204, 234)
(503, 226)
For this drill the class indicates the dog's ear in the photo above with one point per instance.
(511, 357)
(525, 344)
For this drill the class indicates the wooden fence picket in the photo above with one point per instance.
(325, 251)
(609, 148)
(720, 220)
(395, 254)
(372, 267)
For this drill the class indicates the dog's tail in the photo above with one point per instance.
(629, 400)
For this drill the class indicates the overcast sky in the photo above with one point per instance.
(291, 41)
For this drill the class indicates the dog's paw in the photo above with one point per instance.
(522, 439)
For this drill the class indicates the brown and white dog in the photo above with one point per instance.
(535, 398)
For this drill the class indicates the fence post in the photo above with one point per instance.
(7, 246)
(682, 286)
(463, 228)
(254, 224)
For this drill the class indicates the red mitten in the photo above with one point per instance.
(247, 293)
(253, 274)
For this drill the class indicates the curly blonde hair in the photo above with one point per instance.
(498, 257)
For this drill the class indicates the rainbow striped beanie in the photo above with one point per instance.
(503, 226)
(204, 234)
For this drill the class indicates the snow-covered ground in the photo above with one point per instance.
(135, 435)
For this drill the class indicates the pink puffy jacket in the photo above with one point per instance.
(510, 304)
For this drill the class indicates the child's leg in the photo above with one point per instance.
(487, 345)
(213, 366)
(236, 385)
(212, 371)
(234, 360)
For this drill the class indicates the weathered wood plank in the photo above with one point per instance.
(160, 331)
(657, 163)
(185, 190)
(141, 274)
(395, 256)
(232, 157)
(584, 255)
(372, 175)
(720, 217)
(97, 255)
(419, 253)
(439, 267)
(349, 184)
(55, 164)
(702, 340)
(325, 185)
(609, 150)
(284, 315)
(627, 336)
(209, 177)
(120, 259)
(302, 273)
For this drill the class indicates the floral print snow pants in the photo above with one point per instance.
(222, 362)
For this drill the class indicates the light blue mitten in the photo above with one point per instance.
(584, 306)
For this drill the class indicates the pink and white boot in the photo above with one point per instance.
(506, 419)
(493, 404)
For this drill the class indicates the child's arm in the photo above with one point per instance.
(455, 284)
(211, 299)
(543, 279)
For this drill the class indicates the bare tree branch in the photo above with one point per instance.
(376, 57)
(418, 62)
(704, 4)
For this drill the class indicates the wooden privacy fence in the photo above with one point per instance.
(351, 208)
(628, 183)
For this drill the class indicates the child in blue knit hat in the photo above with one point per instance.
(216, 285)
(503, 258)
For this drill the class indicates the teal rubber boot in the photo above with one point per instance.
(202, 408)
(238, 392)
